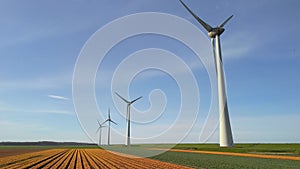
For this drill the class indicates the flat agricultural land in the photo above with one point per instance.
(272, 149)
(16, 150)
(264, 156)
(12, 152)
(80, 158)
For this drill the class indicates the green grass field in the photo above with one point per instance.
(225, 162)
(282, 149)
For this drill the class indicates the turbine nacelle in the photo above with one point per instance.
(108, 119)
(216, 31)
(126, 101)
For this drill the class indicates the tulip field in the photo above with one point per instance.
(80, 158)
(209, 156)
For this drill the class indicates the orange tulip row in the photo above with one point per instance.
(81, 159)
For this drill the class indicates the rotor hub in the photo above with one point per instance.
(216, 31)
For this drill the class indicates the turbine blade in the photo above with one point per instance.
(135, 100)
(205, 25)
(113, 122)
(98, 129)
(225, 21)
(122, 98)
(108, 113)
(105, 121)
(99, 122)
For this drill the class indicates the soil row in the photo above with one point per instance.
(81, 159)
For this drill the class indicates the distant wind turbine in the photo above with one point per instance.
(100, 131)
(226, 139)
(128, 116)
(108, 132)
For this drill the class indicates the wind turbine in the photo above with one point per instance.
(226, 139)
(100, 131)
(128, 117)
(108, 132)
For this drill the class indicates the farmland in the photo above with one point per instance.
(79, 158)
(16, 151)
(279, 149)
(265, 156)
(211, 161)
(189, 155)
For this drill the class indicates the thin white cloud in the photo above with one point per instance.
(56, 112)
(51, 111)
(8, 108)
(58, 97)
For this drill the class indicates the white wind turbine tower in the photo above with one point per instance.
(100, 131)
(108, 132)
(128, 117)
(226, 139)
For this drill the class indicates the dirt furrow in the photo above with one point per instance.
(91, 160)
(30, 160)
(17, 164)
(107, 159)
(22, 157)
(62, 160)
(72, 163)
(68, 160)
(44, 161)
(100, 161)
(123, 162)
(78, 160)
(81, 159)
(55, 161)
(84, 160)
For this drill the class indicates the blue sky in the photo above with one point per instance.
(41, 40)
